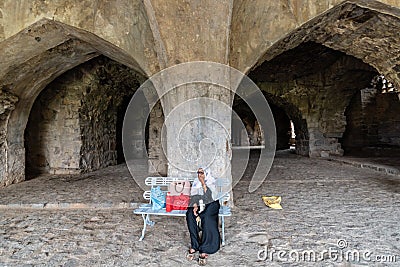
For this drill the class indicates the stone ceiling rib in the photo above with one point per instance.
(228, 32)
(159, 43)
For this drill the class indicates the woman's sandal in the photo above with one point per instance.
(190, 254)
(203, 259)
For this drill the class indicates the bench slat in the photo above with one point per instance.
(148, 210)
(160, 212)
(165, 181)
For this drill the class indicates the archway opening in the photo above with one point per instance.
(246, 131)
(75, 124)
(291, 129)
(373, 121)
(314, 84)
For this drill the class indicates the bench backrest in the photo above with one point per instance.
(222, 184)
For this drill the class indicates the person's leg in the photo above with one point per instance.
(211, 238)
(192, 227)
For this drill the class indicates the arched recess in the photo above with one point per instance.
(75, 124)
(283, 113)
(54, 48)
(373, 122)
(280, 105)
(246, 131)
(321, 64)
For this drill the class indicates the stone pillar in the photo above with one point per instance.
(197, 108)
(324, 133)
(302, 137)
(158, 160)
(321, 145)
(198, 127)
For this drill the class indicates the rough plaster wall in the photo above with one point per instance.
(125, 24)
(120, 22)
(238, 32)
(200, 140)
(253, 33)
(193, 30)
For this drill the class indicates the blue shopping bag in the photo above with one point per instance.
(157, 198)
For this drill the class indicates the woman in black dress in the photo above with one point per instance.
(202, 215)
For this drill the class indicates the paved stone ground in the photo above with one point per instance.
(326, 205)
(112, 187)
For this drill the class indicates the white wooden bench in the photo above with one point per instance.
(146, 209)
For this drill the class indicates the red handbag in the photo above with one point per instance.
(180, 202)
(178, 195)
(168, 202)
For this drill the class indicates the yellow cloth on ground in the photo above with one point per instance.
(273, 202)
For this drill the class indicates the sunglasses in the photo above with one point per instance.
(200, 172)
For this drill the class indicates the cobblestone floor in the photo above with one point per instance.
(327, 205)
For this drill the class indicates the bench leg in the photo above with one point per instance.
(146, 221)
(223, 230)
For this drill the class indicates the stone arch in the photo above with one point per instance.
(32, 59)
(75, 124)
(367, 31)
(244, 125)
(295, 115)
(283, 127)
(283, 113)
(347, 45)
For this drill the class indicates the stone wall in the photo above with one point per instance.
(321, 100)
(52, 137)
(107, 86)
(388, 118)
(7, 104)
(373, 124)
(72, 127)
